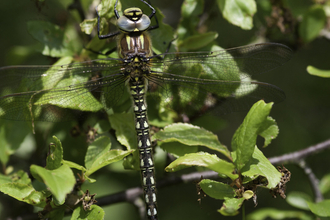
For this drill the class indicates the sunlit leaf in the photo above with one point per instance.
(197, 41)
(238, 12)
(192, 136)
(106, 159)
(230, 206)
(88, 25)
(59, 181)
(55, 154)
(206, 160)
(299, 200)
(321, 208)
(95, 213)
(318, 72)
(259, 165)
(24, 193)
(54, 40)
(271, 213)
(96, 149)
(325, 184)
(125, 129)
(217, 190)
(269, 130)
(245, 137)
(312, 23)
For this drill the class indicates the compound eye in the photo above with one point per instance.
(126, 24)
(143, 23)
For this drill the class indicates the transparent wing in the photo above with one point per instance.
(195, 81)
(51, 92)
(182, 80)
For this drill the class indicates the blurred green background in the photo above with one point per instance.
(303, 118)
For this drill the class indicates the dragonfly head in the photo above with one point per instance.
(133, 20)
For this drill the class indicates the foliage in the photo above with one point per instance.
(59, 179)
(245, 166)
(317, 72)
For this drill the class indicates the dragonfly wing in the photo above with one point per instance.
(225, 64)
(220, 79)
(193, 96)
(50, 93)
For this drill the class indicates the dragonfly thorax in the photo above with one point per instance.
(136, 69)
(134, 46)
(133, 20)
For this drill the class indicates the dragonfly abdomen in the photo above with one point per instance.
(137, 89)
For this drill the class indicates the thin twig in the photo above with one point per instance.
(123, 196)
(313, 180)
(131, 195)
(296, 156)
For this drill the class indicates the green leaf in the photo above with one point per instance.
(12, 135)
(88, 25)
(269, 130)
(95, 150)
(55, 42)
(78, 167)
(5, 179)
(238, 12)
(245, 137)
(106, 159)
(102, 126)
(24, 193)
(106, 8)
(270, 213)
(259, 165)
(192, 136)
(125, 129)
(55, 155)
(177, 149)
(298, 8)
(74, 165)
(312, 23)
(48, 80)
(321, 208)
(217, 190)
(202, 159)
(189, 97)
(318, 72)
(85, 101)
(299, 200)
(56, 214)
(132, 162)
(18, 177)
(158, 115)
(95, 213)
(197, 41)
(59, 181)
(74, 103)
(230, 206)
(162, 36)
(325, 184)
(190, 11)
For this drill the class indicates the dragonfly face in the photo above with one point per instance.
(133, 20)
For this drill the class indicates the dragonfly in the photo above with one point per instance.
(189, 82)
